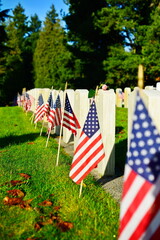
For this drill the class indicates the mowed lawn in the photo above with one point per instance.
(38, 200)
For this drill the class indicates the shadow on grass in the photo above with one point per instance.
(13, 139)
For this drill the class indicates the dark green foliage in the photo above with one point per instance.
(89, 45)
(22, 36)
(137, 22)
(52, 60)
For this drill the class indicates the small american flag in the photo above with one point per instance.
(51, 113)
(140, 206)
(40, 109)
(48, 104)
(69, 120)
(27, 102)
(58, 111)
(90, 149)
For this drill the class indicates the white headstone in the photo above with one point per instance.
(127, 91)
(105, 102)
(158, 86)
(81, 108)
(151, 99)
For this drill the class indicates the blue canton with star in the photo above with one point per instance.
(57, 103)
(144, 153)
(91, 125)
(68, 107)
(40, 100)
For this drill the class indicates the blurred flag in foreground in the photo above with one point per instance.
(58, 112)
(69, 120)
(40, 112)
(140, 206)
(90, 149)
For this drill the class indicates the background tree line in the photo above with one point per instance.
(102, 42)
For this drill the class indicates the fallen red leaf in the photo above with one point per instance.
(37, 226)
(4, 151)
(30, 143)
(47, 222)
(12, 201)
(16, 182)
(56, 208)
(64, 226)
(26, 176)
(45, 203)
(31, 238)
(16, 192)
(25, 205)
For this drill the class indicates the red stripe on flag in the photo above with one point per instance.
(76, 161)
(146, 221)
(128, 182)
(135, 204)
(86, 162)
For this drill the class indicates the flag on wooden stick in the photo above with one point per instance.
(51, 113)
(58, 111)
(69, 119)
(140, 206)
(27, 102)
(48, 104)
(40, 112)
(90, 149)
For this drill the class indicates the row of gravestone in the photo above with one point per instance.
(106, 105)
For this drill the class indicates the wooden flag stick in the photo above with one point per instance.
(59, 142)
(42, 127)
(80, 191)
(31, 118)
(48, 137)
(140, 76)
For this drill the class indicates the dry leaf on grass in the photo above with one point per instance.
(18, 202)
(11, 201)
(46, 203)
(64, 226)
(30, 143)
(31, 238)
(56, 208)
(16, 182)
(4, 151)
(37, 226)
(26, 176)
(16, 193)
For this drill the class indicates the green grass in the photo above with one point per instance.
(94, 216)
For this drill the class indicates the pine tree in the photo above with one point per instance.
(51, 58)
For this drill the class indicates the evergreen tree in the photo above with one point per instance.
(88, 44)
(135, 21)
(22, 35)
(51, 58)
(3, 49)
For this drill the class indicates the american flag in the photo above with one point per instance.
(48, 104)
(58, 111)
(51, 113)
(90, 149)
(69, 120)
(140, 206)
(18, 99)
(40, 109)
(27, 102)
